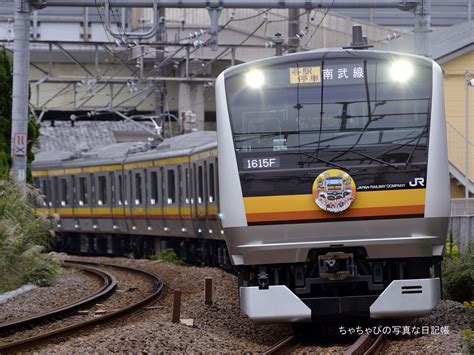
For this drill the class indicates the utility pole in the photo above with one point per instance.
(469, 82)
(21, 73)
(293, 30)
(423, 28)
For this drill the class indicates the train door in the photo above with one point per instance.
(201, 200)
(65, 202)
(181, 205)
(55, 194)
(138, 200)
(153, 199)
(212, 196)
(171, 203)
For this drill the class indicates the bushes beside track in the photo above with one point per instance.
(25, 237)
(458, 274)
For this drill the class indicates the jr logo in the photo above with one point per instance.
(417, 182)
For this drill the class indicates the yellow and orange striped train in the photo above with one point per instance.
(136, 198)
(334, 184)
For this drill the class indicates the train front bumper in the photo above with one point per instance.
(402, 298)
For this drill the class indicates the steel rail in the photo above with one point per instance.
(366, 344)
(109, 283)
(73, 329)
(280, 345)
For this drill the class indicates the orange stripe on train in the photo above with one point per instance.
(351, 213)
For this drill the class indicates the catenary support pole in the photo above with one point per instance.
(293, 30)
(21, 71)
(423, 28)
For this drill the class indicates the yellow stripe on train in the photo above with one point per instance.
(364, 199)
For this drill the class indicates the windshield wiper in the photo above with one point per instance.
(319, 159)
(375, 159)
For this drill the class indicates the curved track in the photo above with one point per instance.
(366, 344)
(48, 336)
(109, 283)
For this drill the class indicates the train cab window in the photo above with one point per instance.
(212, 190)
(83, 192)
(200, 185)
(138, 189)
(64, 193)
(171, 187)
(154, 188)
(102, 190)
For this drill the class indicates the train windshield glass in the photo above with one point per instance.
(341, 104)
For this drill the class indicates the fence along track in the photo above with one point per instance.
(45, 337)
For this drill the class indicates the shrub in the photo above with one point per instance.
(24, 239)
(458, 275)
(170, 256)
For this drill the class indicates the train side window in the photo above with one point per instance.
(200, 185)
(102, 190)
(187, 185)
(56, 191)
(112, 189)
(171, 187)
(154, 188)
(50, 192)
(83, 192)
(180, 184)
(64, 193)
(44, 191)
(212, 189)
(120, 189)
(125, 188)
(36, 182)
(138, 189)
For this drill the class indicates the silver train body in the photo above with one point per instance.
(136, 198)
(334, 185)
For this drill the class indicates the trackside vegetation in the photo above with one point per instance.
(24, 235)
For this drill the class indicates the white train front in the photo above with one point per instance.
(334, 185)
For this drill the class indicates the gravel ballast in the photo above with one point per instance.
(221, 327)
(71, 285)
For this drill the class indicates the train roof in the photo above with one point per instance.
(127, 152)
(321, 54)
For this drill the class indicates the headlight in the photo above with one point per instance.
(402, 71)
(254, 79)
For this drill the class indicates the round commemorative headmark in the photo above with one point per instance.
(334, 190)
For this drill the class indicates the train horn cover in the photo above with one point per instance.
(334, 190)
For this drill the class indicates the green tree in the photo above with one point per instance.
(6, 85)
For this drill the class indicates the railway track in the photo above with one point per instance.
(62, 312)
(366, 344)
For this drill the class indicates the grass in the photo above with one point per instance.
(25, 239)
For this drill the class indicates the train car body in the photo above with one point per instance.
(130, 197)
(334, 185)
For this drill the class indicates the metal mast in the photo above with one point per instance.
(21, 72)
